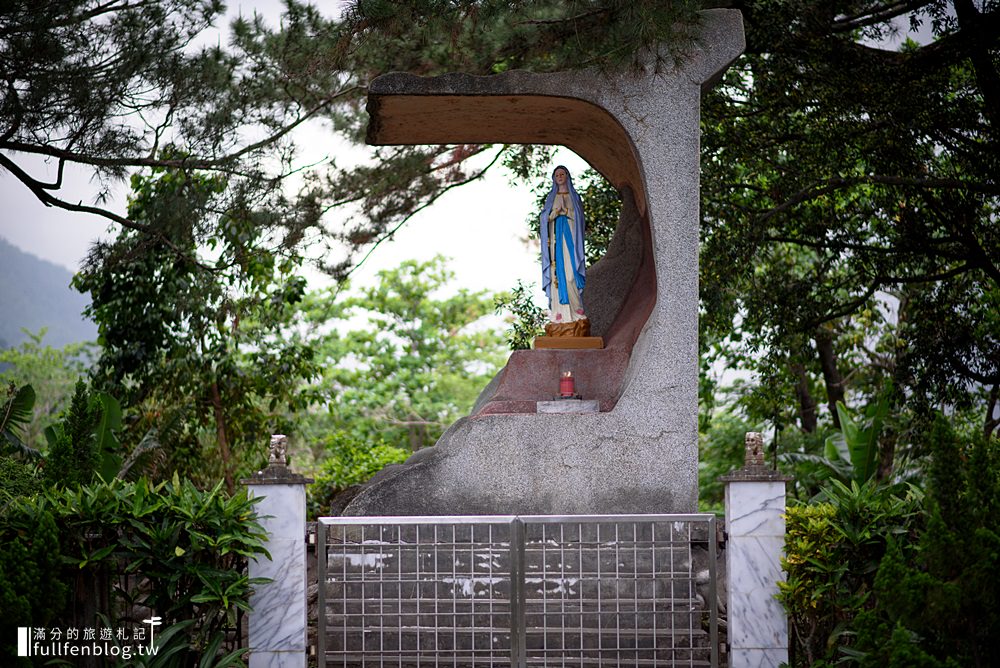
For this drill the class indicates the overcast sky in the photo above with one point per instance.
(480, 225)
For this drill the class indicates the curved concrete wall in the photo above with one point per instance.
(642, 132)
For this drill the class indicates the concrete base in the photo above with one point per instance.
(542, 464)
(568, 406)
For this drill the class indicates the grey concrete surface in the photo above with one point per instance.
(642, 132)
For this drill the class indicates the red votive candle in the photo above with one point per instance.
(567, 387)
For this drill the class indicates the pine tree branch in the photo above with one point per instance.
(39, 190)
(212, 164)
(863, 248)
(984, 378)
(434, 198)
(881, 15)
(847, 309)
(568, 19)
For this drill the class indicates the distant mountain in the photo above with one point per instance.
(35, 293)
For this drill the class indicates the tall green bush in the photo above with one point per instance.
(29, 593)
(526, 319)
(109, 549)
(939, 604)
(876, 579)
(832, 552)
(17, 478)
(83, 444)
(720, 450)
(350, 463)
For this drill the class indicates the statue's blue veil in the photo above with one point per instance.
(580, 270)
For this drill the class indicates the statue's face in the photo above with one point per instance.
(560, 176)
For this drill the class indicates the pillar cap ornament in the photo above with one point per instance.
(277, 472)
(754, 466)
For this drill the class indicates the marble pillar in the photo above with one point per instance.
(755, 503)
(277, 622)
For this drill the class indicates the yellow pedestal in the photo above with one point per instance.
(569, 342)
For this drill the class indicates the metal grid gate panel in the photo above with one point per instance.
(517, 591)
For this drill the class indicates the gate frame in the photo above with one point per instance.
(518, 630)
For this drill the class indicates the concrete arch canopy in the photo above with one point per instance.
(640, 454)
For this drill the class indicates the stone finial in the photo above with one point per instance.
(754, 466)
(279, 446)
(277, 471)
(754, 444)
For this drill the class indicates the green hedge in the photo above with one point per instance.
(886, 578)
(96, 554)
(832, 553)
(350, 462)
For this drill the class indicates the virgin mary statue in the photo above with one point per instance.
(563, 264)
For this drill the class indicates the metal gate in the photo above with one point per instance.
(626, 590)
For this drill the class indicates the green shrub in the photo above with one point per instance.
(169, 549)
(16, 478)
(29, 593)
(83, 444)
(832, 552)
(720, 450)
(526, 319)
(880, 581)
(350, 462)
(73, 458)
(939, 604)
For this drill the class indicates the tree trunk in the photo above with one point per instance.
(987, 78)
(416, 433)
(890, 432)
(220, 432)
(831, 375)
(807, 405)
(992, 422)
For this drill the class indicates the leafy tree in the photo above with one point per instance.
(526, 319)
(85, 443)
(348, 462)
(841, 179)
(546, 36)
(940, 604)
(17, 478)
(185, 551)
(850, 208)
(29, 594)
(876, 578)
(417, 364)
(191, 321)
(115, 87)
(73, 456)
(720, 450)
(108, 85)
(52, 374)
(832, 551)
